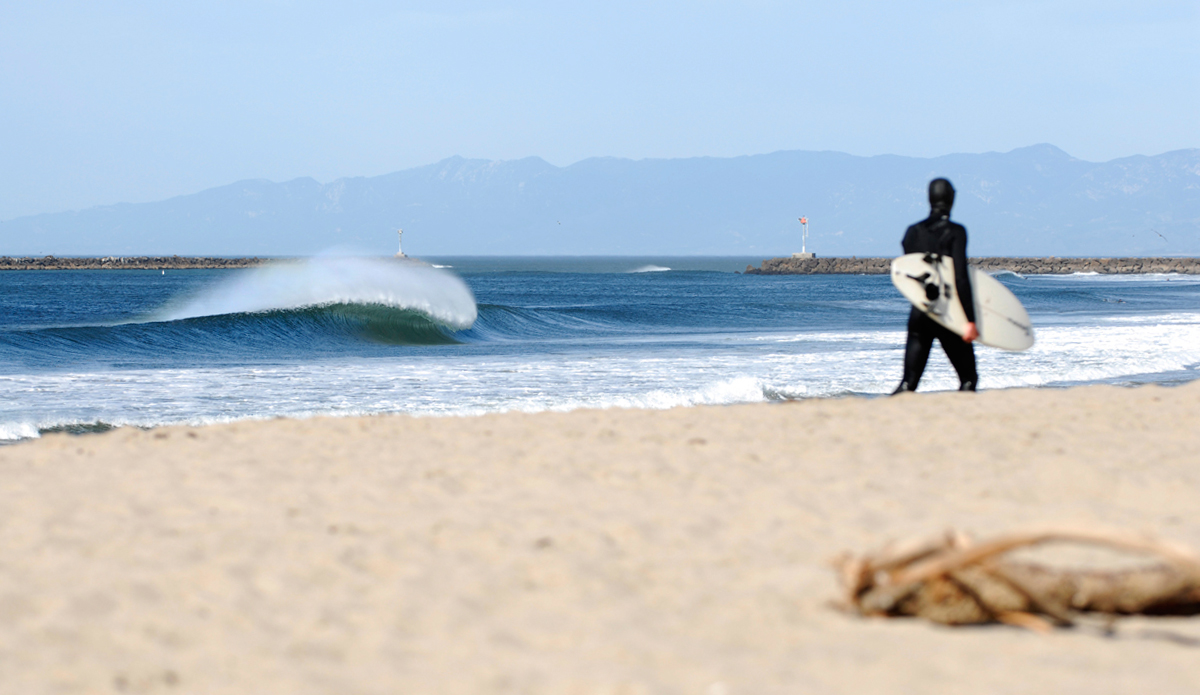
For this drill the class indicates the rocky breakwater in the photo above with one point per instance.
(1024, 266)
(127, 263)
(822, 266)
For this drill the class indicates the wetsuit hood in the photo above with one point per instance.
(941, 197)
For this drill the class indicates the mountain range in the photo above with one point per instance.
(1033, 201)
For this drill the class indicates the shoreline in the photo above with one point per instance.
(1050, 265)
(97, 427)
(618, 551)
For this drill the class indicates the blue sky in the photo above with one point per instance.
(135, 101)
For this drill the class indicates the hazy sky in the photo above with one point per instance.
(133, 101)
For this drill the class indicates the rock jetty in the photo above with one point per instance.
(1024, 266)
(127, 263)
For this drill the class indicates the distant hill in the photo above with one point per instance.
(1032, 201)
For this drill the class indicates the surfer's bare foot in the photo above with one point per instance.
(970, 333)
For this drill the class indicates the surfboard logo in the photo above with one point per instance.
(934, 289)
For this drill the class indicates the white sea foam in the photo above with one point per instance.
(335, 280)
(1139, 278)
(650, 269)
(12, 431)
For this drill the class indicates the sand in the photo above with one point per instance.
(616, 551)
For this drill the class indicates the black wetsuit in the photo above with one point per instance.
(937, 234)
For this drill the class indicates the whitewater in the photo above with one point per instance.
(86, 351)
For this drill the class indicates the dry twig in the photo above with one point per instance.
(953, 581)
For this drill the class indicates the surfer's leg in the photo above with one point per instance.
(962, 356)
(916, 351)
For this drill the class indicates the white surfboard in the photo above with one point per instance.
(927, 280)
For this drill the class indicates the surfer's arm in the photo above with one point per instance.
(962, 280)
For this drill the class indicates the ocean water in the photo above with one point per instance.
(88, 350)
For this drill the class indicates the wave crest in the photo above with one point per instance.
(410, 286)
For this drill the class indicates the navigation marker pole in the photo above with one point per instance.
(400, 244)
(804, 241)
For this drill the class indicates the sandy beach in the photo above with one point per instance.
(615, 551)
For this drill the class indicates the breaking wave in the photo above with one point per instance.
(408, 286)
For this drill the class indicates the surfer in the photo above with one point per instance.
(937, 234)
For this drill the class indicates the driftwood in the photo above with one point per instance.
(953, 581)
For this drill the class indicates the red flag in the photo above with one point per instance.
(803, 220)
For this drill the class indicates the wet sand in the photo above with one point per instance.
(616, 551)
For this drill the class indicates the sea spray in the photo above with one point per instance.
(328, 281)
